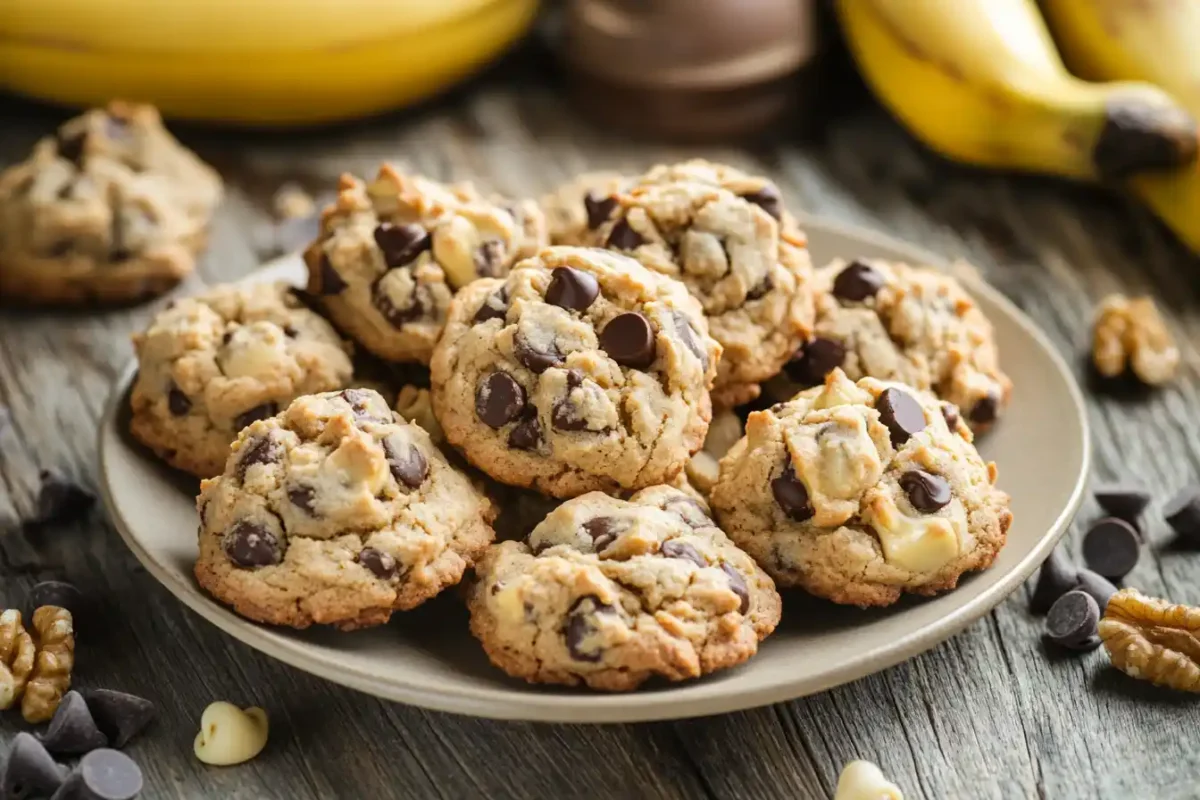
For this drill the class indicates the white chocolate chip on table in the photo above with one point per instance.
(862, 780)
(230, 735)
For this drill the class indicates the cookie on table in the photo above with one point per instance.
(896, 322)
(393, 251)
(110, 209)
(752, 276)
(859, 492)
(210, 365)
(581, 205)
(609, 593)
(581, 371)
(336, 511)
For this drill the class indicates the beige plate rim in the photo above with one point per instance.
(486, 701)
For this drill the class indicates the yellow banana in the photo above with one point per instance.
(262, 62)
(1147, 40)
(981, 82)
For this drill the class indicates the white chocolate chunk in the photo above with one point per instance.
(862, 780)
(920, 544)
(229, 735)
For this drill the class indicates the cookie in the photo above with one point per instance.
(392, 252)
(859, 492)
(110, 209)
(608, 593)
(337, 512)
(751, 275)
(580, 205)
(895, 322)
(208, 366)
(581, 371)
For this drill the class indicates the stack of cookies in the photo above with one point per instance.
(650, 364)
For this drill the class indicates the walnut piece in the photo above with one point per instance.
(1131, 333)
(54, 633)
(16, 657)
(1153, 640)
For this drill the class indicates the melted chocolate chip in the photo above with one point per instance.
(760, 290)
(985, 410)
(248, 545)
(690, 511)
(598, 208)
(499, 399)
(71, 147)
(254, 414)
(624, 237)
(264, 450)
(901, 413)
(488, 259)
(792, 495)
(534, 359)
(767, 198)
(494, 307)
(814, 360)
(687, 335)
(407, 463)
(567, 417)
(401, 244)
(737, 584)
(629, 339)
(331, 281)
(925, 491)
(673, 548)
(527, 435)
(581, 624)
(604, 530)
(178, 402)
(858, 281)
(397, 317)
(951, 415)
(290, 331)
(302, 497)
(382, 565)
(358, 400)
(572, 289)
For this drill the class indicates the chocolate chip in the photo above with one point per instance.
(857, 281)
(290, 331)
(382, 565)
(55, 593)
(71, 147)
(767, 198)
(985, 410)
(926, 492)
(255, 414)
(499, 399)
(407, 463)
(1123, 501)
(598, 208)
(567, 417)
(249, 545)
(331, 281)
(29, 771)
(581, 625)
(60, 499)
(1056, 578)
(401, 244)
(690, 511)
(178, 402)
(359, 401)
(624, 237)
(687, 334)
(1099, 587)
(302, 497)
(264, 450)
(494, 307)
(814, 360)
(527, 435)
(397, 317)
(737, 583)
(629, 339)
(673, 548)
(760, 289)
(604, 530)
(901, 413)
(792, 495)
(572, 289)
(1182, 513)
(534, 359)
(103, 775)
(951, 415)
(488, 259)
(1111, 548)
(119, 715)
(1073, 620)
(72, 730)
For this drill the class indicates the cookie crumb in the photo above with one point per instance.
(1131, 334)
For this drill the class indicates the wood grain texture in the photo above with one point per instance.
(988, 714)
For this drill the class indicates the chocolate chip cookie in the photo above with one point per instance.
(895, 322)
(859, 492)
(752, 275)
(393, 251)
(581, 371)
(337, 512)
(608, 593)
(208, 366)
(111, 208)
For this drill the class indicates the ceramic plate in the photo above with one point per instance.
(427, 657)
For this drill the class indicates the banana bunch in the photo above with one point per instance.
(982, 82)
(259, 62)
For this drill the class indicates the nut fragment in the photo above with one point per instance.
(1153, 640)
(1131, 333)
(862, 780)
(413, 404)
(54, 634)
(229, 735)
(703, 471)
(16, 657)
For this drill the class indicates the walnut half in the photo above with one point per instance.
(1153, 640)
(1131, 333)
(51, 677)
(16, 657)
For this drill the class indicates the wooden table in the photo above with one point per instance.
(990, 713)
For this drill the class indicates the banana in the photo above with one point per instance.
(259, 62)
(981, 82)
(1147, 40)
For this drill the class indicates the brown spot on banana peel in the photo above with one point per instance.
(1139, 136)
